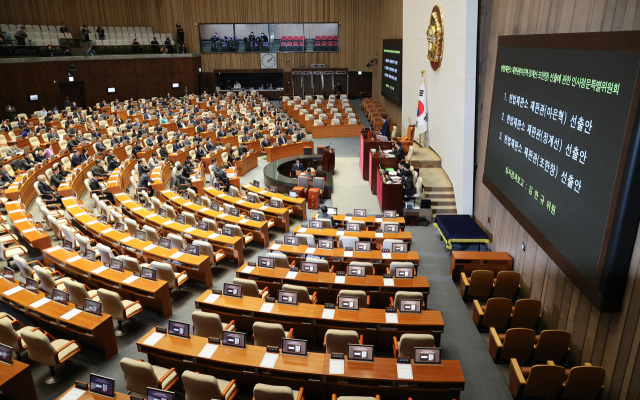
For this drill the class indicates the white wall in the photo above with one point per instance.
(450, 90)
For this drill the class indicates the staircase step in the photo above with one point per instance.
(443, 202)
(444, 209)
(438, 194)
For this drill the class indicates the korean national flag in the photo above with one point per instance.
(423, 115)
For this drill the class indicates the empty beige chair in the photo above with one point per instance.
(171, 212)
(495, 314)
(190, 218)
(347, 241)
(526, 314)
(387, 243)
(106, 253)
(206, 387)
(192, 194)
(338, 341)
(207, 324)
(303, 293)
(132, 264)
(267, 334)
(540, 381)
(363, 297)
(152, 234)
(335, 122)
(120, 310)
(369, 269)
(479, 285)
(323, 265)
(306, 239)
(140, 375)
(326, 223)
(47, 283)
(51, 353)
(167, 273)
(27, 272)
(400, 264)
(132, 225)
(85, 244)
(250, 288)
(409, 341)
(515, 343)
(268, 392)
(78, 292)
(10, 336)
(207, 250)
(406, 295)
(507, 284)
(156, 204)
(584, 382)
(177, 241)
(281, 260)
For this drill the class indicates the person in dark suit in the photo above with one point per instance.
(323, 214)
(265, 142)
(145, 184)
(282, 139)
(297, 167)
(84, 155)
(5, 179)
(407, 183)
(142, 169)
(201, 152)
(38, 155)
(299, 136)
(224, 179)
(399, 152)
(209, 145)
(56, 179)
(100, 147)
(73, 142)
(163, 151)
(95, 186)
(181, 124)
(101, 36)
(137, 148)
(114, 163)
(385, 127)
(98, 170)
(75, 159)
(47, 192)
(182, 179)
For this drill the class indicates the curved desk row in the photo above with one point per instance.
(259, 230)
(371, 220)
(27, 230)
(297, 204)
(197, 268)
(373, 236)
(308, 321)
(84, 327)
(444, 381)
(327, 286)
(224, 246)
(288, 150)
(339, 258)
(279, 215)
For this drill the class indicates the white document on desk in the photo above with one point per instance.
(405, 371)
(189, 229)
(222, 215)
(340, 279)
(98, 270)
(21, 220)
(291, 275)
(328, 313)
(275, 246)
(150, 247)
(336, 367)
(72, 313)
(95, 221)
(263, 208)
(239, 201)
(347, 218)
(267, 307)
(208, 350)
(177, 255)
(130, 279)
(348, 254)
(212, 298)
(339, 233)
(107, 230)
(73, 259)
(154, 338)
(391, 318)
(151, 215)
(386, 256)
(29, 230)
(188, 203)
(269, 360)
(13, 291)
(243, 221)
(214, 235)
(378, 220)
(81, 214)
(127, 239)
(169, 222)
(52, 249)
(73, 394)
(302, 230)
(310, 250)
(40, 302)
(379, 234)
(262, 192)
(205, 209)
(248, 269)
(388, 282)
(137, 208)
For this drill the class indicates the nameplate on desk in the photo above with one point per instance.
(391, 317)
(73, 206)
(127, 239)
(213, 235)
(81, 385)
(263, 192)
(211, 298)
(67, 198)
(150, 247)
(379, 234)
(267, 307)
(205, 209)
(214, 340)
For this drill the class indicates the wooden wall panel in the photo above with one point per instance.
(361, 30)
(132, 78)
(609, 340)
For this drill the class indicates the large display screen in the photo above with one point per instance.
(560, 145)
(391, 63)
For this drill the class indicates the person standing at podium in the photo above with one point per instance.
(297, 167)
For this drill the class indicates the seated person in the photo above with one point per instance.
(183, 177)
(98, 171)
(145, 184)
(94, 185)
(48, 193)
(323, 214)
(56, 179)
(113, 163)
(5, 179)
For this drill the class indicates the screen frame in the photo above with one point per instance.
(53, 296)
(623, 217)
(381, 62)
(418, 311)
(224, 290)
(438, 349)
(273, 262)
(348, 297)
(295, 296)
(369, 346)
(155, 274)
(93, 301)
(178, 322)
(10, 349)
(223, 341)
(172, 394)
(113, 385)
(306, 347)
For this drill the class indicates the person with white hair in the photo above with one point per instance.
(48, 193)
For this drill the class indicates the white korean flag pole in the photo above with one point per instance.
(423, 115)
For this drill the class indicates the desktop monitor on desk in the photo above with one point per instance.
(325, 244)
(360, 352)
(234, 212)
(6, 355)
(179, 329)
(400, 248)
(291, 240)
(293, 194)
(90, 255)
(359, 212)
(203, 225)
(149, 273)
(119, 226)
(294, 347)
(308, 267)
(141, 235)
(232, 290)
(165, 243)
(403, 272)
(410, 306)
(162, 212)
(31, 285)
(257, 217)
(61, 297)
(356, 270)
(67, 245)
(332, 211)
(117, 265)
(157, 394)
(314, 224)
(256, 184)
(353, 227)
(286, 297)
(233, 339)
(193, 250)
(348, 303)
(266, 262)
(391, 228)
(93, 307)
(363, 246)
(427, 355)
(181, 219)
(389, 213)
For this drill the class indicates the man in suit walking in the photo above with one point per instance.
(385, 127)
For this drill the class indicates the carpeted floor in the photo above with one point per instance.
(460, 339)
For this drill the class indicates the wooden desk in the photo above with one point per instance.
(366, 144)
(309, 324)
(324, 284)
(444, 381)
(370, 220)
(279, 215)
(28, 231)
(247, 163)
(231, 247)
(373, 236)
(288, 150)
(16, 381)
(119, 177)
(84, 327)
(375, 161)
(390, 195)
(76, 183)
(154, 295)
(298, 205)
(336, 131)
(469, 261)
(181, 155)
(336, 256)
(91, 396)
(197, 268)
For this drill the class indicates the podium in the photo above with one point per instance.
(313, 199)
(328, 158)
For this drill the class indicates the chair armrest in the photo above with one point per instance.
(464, 284)
(517, 383)
(50, 336)
(293, 264)
(495, 344)
(361, 339)
(390, 301)
(229, 386)
(387, 270)
(264, 291)
(377, 397)
(166, 375)
(314, 298)
(368, 301)
(478, 314)
(334, 397)
(300, 394)
(290, 334)
(395, 346)
(230, 324)
(132, 304)
(179, 275)
(332, 268)
(56, 355)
